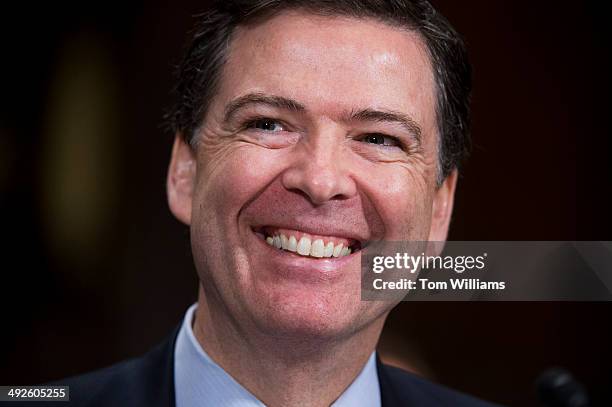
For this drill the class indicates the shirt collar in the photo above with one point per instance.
(199, 381)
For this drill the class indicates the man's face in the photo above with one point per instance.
(323, 130)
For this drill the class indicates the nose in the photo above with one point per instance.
(320, 172)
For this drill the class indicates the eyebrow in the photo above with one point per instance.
(262, 99)
(388, 116)
(365, 115)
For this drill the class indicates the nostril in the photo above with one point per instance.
(318, 200)
(319, 185)
(300, 192)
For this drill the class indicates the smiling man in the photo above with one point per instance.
(304, 130)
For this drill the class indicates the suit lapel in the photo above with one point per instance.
(390, 394)
(156, 375)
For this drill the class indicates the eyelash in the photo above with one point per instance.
(397, 142)
(249, 124)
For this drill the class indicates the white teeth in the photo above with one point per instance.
(277, 242)
(317, 248)
(306, 247)
(329, 250)
(303, 246)
(284, 242)
(292, 244)
(337, 250)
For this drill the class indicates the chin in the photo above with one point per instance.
(306, 314)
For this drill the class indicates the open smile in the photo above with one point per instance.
(307, 244)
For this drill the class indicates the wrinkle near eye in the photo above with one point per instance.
(242, 135)
(378, 153)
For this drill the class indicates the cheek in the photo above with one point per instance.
(232, 176)
(402, 198)
(227, 179)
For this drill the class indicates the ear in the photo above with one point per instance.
(181, 179)
(442, 208)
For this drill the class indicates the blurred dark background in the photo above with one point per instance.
(95, 269)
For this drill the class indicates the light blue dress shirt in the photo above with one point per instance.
(200, 382)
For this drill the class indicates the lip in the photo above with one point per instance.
(303, 268)
(270, 231)
(331, 232)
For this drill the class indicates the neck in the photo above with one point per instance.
(285, 371)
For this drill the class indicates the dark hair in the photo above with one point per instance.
(199, 72)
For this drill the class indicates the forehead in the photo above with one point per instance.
(332, 64)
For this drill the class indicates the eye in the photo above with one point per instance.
(266, 125)
(381, 139)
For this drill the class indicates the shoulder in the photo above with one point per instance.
(401, 388)
(144, 381)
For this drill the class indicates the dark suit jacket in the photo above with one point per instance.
(148, 381)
